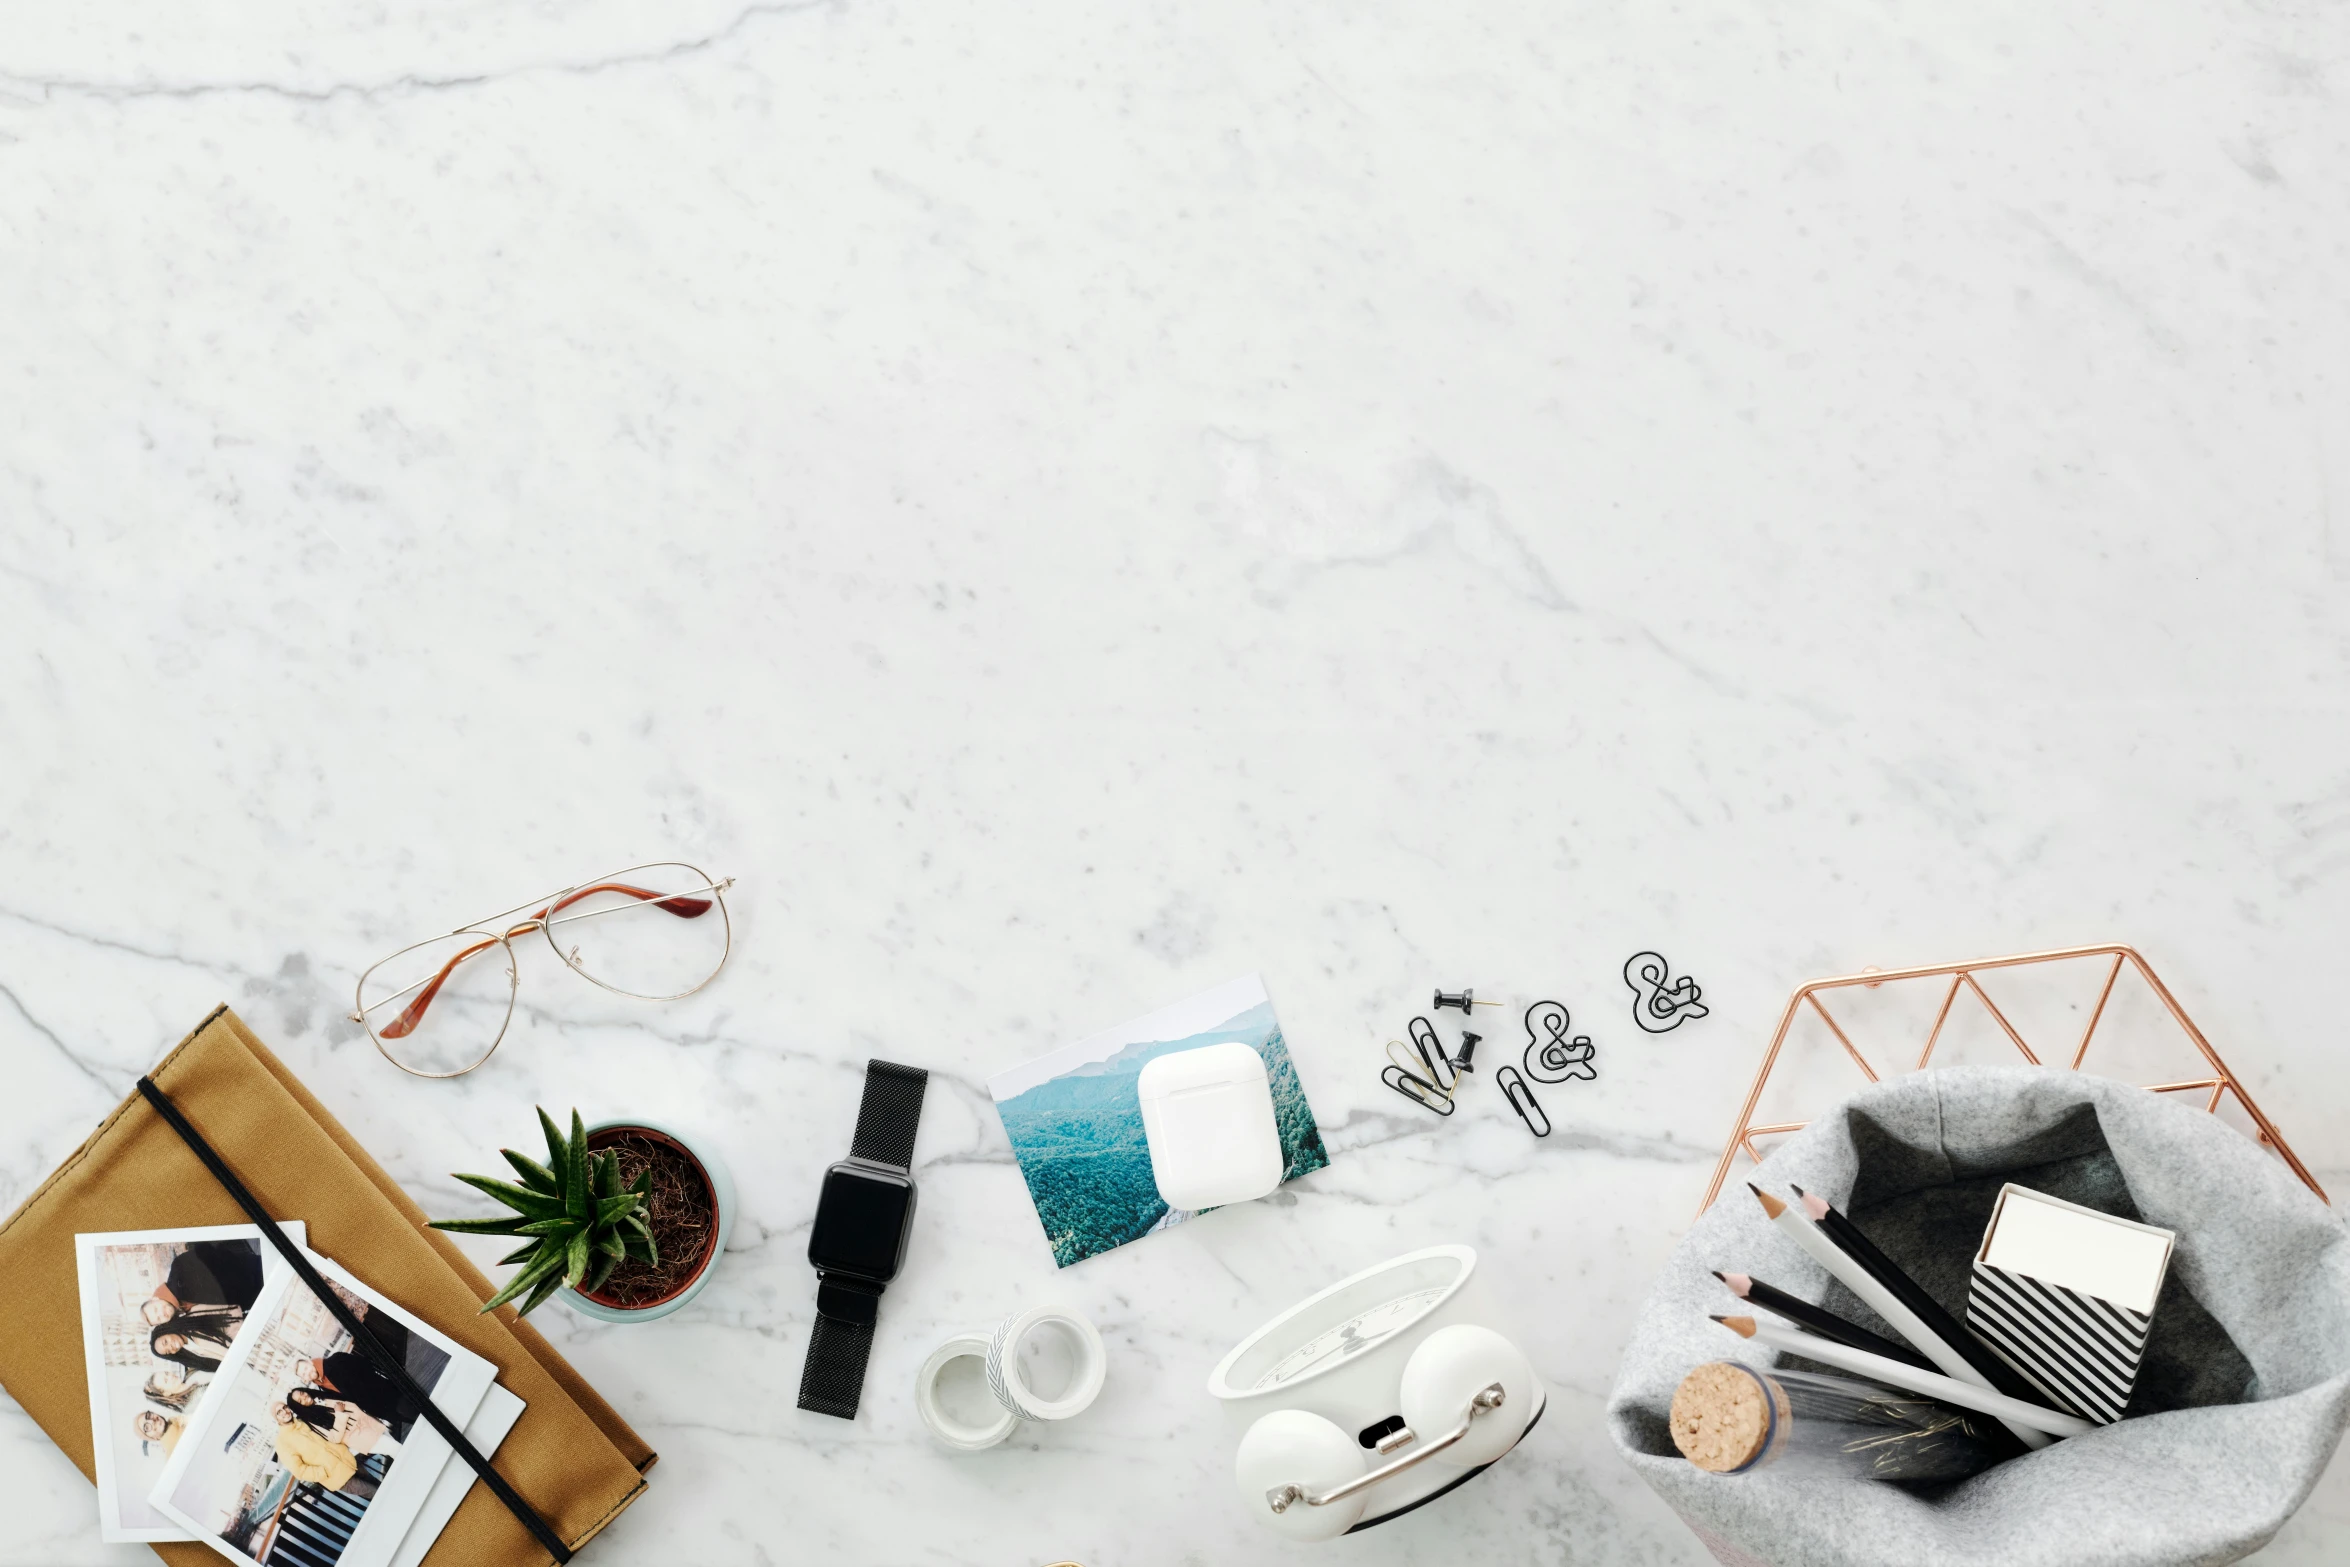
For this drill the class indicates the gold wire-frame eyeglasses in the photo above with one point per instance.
(690, 902)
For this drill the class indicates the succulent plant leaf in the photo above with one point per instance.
(540, 1295)
(530, 1204)
(534, 1175)
(508, 1224)
(575, 1183)
(555, 1143)
(578, 1221)
(546, 1263)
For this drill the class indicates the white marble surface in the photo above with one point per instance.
(1074, 503)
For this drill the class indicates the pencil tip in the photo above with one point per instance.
(1742, 1326)
(1771, 1205)
(1739, 1283)
(1815, 1205)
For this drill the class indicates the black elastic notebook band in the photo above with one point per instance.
(361, 1335)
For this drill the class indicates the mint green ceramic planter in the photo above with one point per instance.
(721, 1191)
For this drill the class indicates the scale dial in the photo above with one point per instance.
(1349, 1338)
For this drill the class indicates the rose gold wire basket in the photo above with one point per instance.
(2220, 1085)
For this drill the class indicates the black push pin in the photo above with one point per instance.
(1460, 1063)
(1464, 999)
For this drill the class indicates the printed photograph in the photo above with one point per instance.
(160, 1310)
(1075, 1117)
(300, 1435)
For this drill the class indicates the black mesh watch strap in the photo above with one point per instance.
(833, 1377)
(891, 1110)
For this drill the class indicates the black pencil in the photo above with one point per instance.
(1821, 1320)
(1849, 1239)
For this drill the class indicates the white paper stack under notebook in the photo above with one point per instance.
(2066, 1295)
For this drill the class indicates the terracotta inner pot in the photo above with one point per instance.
(603, 1138)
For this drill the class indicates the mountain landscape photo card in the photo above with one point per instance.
(1075, 1117)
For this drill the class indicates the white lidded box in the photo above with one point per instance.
(2066, 1295)
(1208, 1115)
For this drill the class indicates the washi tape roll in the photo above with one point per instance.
(968, 1436)
(1012, 1389)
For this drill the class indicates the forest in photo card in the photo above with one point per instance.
(160, 1309)
(1074, 1117)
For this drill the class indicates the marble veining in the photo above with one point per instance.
(1070, 504)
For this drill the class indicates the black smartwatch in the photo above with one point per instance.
(858, 1243)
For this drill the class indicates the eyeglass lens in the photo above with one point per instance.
(655, 931)
(439, 1007)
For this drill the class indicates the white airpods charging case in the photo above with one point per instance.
(1208, 1116)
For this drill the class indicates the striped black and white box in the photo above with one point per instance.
(2065, 1295)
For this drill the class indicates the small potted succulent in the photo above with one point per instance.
(624, 1220)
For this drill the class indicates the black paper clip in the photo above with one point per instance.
(1436, 1067)
(1521, 1097)
(1417, 1089)
(1430, 1081)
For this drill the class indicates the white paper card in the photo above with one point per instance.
(488, 1427)
(233, 1478)
(140, 1403)
(2078, 1248)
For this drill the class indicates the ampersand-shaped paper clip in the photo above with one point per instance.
(1551, 1057)
(1656, 1005)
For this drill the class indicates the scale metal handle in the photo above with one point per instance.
(1282, 1497)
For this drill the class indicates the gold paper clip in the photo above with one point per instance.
(1427, 1081)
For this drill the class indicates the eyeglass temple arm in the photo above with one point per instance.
(683, 908)
(413, 1014)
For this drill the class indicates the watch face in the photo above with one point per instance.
(1350, 1337)
(861, 1221)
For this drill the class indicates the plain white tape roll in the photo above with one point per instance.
(1012, 1389)
(945, 1425)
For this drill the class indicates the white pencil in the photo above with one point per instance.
(1888, 1305)
(2011, 1412)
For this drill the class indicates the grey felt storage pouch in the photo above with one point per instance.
(2240, 1398)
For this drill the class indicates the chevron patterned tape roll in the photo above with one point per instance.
(1011, 1388)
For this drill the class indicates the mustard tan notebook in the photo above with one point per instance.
(571, 1455)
